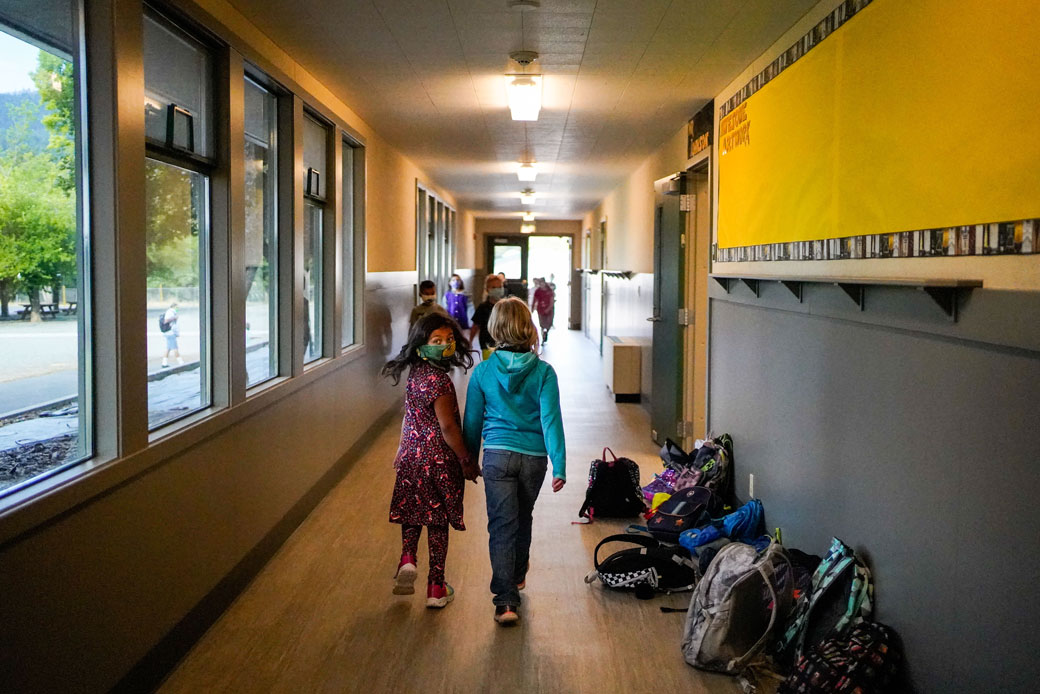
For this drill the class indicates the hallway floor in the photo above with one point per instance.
(320, 617)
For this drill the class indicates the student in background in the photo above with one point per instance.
(544, 304)
(494, 290)
(427, 302)
(457, 303)
(513, 404)
(171, 331)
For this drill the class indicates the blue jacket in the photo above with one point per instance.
(513, 402)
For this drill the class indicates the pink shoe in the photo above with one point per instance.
(404, 579)
(439, 594)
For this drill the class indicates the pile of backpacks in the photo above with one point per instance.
(770, 615)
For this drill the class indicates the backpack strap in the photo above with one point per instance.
(642, 540)
(604, 458)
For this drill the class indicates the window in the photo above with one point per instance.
(45, 386)
(348, 240)
(434, 239)
(178, 105)
(315, 142)
(261, 252)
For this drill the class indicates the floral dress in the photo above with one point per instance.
(429, 485)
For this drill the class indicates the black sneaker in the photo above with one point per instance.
(506, 614)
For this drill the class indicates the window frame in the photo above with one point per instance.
(86, 349)
(214, 261)
(282, 187)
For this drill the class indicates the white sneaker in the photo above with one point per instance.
(404, 579)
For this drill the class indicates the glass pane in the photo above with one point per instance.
(348, 246)
(261, 338)
(176, 237)
(312, 282)
(314, 143)
(508, 260)
(176, 73)
(44, 391)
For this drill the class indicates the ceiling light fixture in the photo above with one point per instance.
(527, 228)
(526, 171)
(528, 216)
(524, 91)
(527, 196)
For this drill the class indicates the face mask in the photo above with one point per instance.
(456, 284)
(496, 292)
(427, 299)
(436, 352)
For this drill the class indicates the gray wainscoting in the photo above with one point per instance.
(912, 438)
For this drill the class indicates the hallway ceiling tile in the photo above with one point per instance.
(621, 76)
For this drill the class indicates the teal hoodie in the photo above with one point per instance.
(513, 402)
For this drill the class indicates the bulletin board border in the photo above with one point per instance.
(1000, 238)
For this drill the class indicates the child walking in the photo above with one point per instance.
(513, 403)
(432, 459)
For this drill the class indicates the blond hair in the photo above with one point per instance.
(511, 326)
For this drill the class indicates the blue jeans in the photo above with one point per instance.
(511, 484)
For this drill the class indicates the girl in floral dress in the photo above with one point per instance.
(432, 459)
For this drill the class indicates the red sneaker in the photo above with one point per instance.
(439, 594)
(506, 614)
(404, 579)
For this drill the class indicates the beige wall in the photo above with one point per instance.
(391, 175)
(466, 241)
(629, 210)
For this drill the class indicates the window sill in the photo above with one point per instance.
(25, 509)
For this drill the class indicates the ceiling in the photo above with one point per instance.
(621, 76)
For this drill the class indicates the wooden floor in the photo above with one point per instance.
(320, 617)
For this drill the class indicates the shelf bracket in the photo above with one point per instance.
(855, 292)
(794, 287)
(723, 282)
(751, 284)
(946, 298)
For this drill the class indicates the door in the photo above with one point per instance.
(507, 254)
(666, 403)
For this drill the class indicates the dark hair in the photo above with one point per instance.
(462, 285)
(420, 335)
(427, 285)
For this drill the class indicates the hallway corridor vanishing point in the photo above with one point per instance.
(320, 616)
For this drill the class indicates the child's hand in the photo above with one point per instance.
(557, 484)
(470, 470)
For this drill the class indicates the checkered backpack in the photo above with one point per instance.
(648, 567)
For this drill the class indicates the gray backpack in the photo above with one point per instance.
(742, 599)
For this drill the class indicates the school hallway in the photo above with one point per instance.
(320, 616)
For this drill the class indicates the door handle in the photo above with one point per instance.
(654, 319)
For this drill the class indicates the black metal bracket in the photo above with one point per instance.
(794, 287)
(856, 292)
(751, 284)
(946, 298)
(723, 282)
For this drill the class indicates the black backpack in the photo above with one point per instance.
(866, 661)
(163, 325)
(614, 490)
(646, 568)
(692, 507)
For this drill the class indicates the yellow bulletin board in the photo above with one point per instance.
(912, 115)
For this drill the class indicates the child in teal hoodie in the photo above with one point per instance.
(513, 403)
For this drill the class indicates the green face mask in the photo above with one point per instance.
(436, 352)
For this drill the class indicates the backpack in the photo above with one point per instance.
(714, 460)
(691, 508)
(163, 325)
(614, 490)
(659, 568)
(841, 596)
(738, 605)
(866, 662)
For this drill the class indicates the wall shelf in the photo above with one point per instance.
(944, 292)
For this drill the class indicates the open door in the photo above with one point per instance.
(666, 405)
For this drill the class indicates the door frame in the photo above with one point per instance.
(492, 240)
(698, 268)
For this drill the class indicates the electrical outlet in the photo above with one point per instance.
(751, 485)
